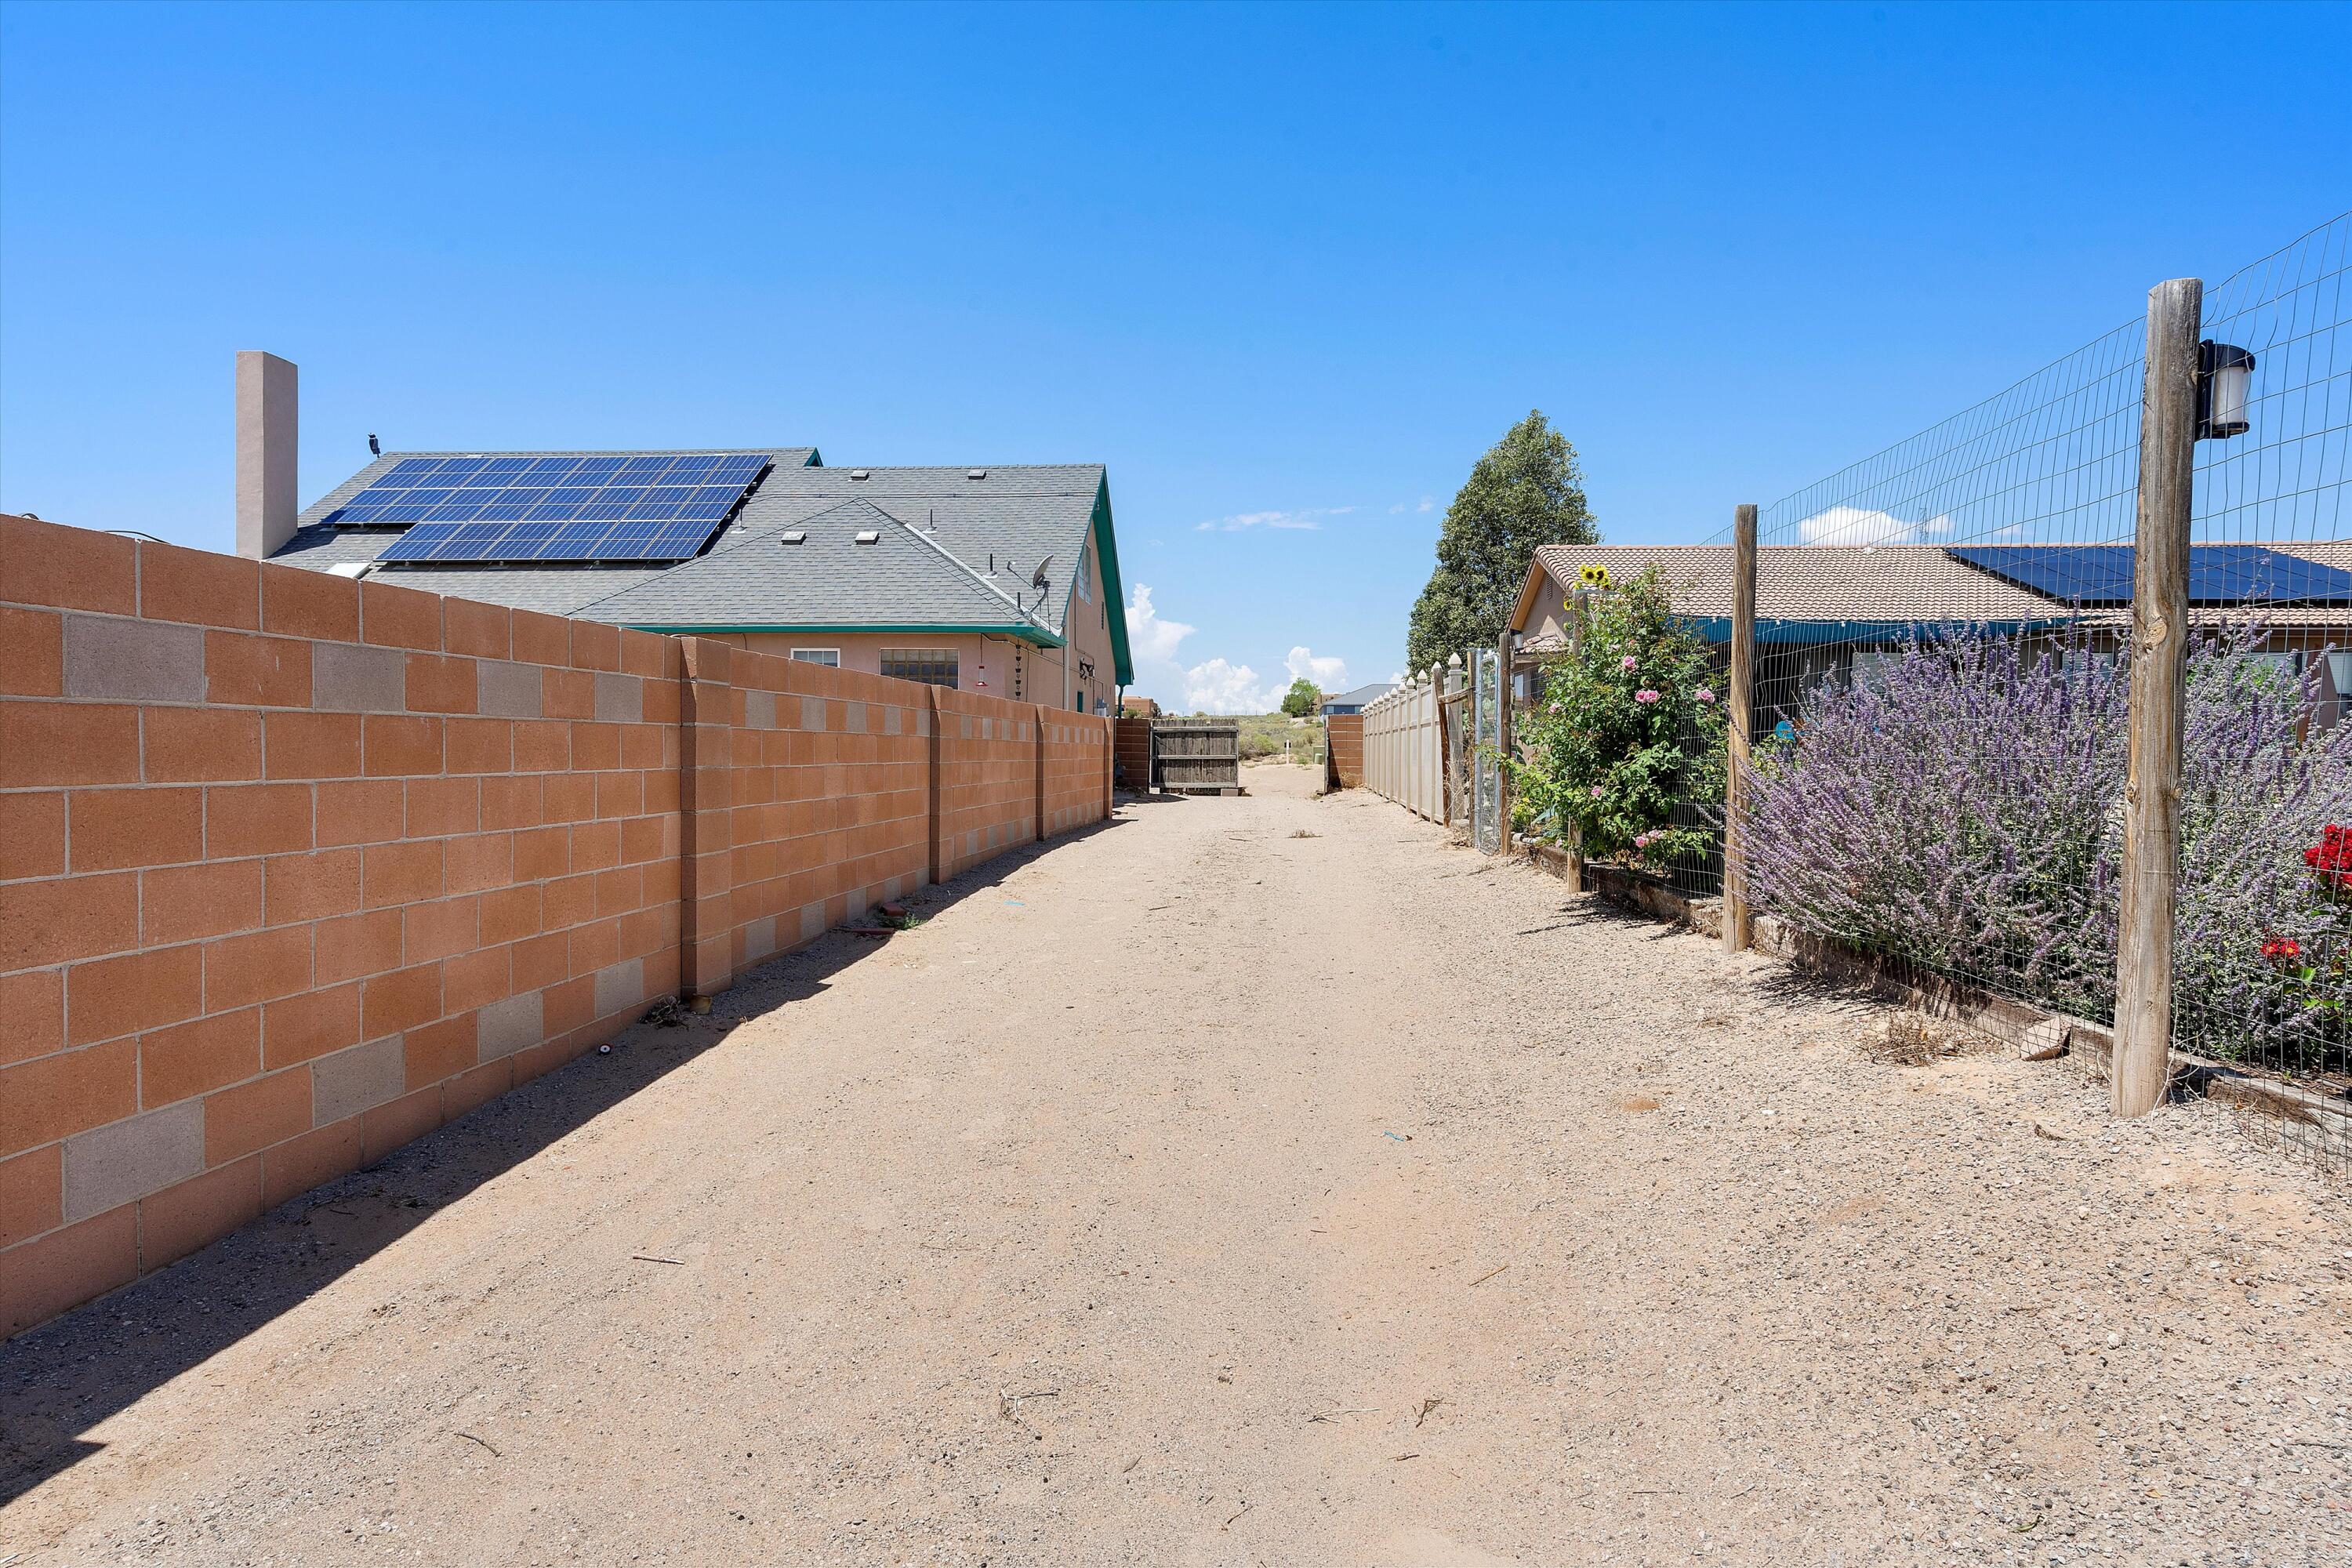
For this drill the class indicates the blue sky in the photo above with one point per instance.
(1286, 270)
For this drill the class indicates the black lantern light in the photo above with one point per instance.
(2225, 372)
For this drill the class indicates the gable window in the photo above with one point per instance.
(930, 666)
(1086, 589)
(829, 657)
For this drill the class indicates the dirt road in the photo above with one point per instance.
(1249, 1181)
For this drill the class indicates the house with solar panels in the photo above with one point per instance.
(1001, 579)
(1823, 611)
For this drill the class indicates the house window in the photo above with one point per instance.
(830, 656)
(1085, 591)
(930, 666)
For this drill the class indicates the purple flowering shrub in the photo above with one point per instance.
(1963, 808)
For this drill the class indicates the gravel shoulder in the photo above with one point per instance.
(1246, 1181)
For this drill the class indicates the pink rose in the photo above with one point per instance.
(1596, 791)
(1625, 663)
(1645, 695)
(1705, 694)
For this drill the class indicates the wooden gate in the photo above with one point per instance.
(1197, 756)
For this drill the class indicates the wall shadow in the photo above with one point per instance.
(64, 1377)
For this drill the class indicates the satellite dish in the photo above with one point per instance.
(1037, 578)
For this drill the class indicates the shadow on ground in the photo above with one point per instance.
(59, 1380)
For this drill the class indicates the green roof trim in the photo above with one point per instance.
(1114, 593)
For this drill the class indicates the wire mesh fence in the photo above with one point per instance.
(1944, 637)
(1943, 647)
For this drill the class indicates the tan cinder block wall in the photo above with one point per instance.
(1075, 785)
(294, 869)
(1344, 751)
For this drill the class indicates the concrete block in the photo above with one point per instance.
(813, 713)
(504, 690)
(620, 985)
(345, 678)
(357, 1079)
(620, 699)
(760, 938)
(892, 719)
(857, 720)
(812, 921)
(149, 661)
(505, 1027)
(109, 1166)
(760, 710)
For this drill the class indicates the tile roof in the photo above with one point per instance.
(1813, 582)
(1869, 583)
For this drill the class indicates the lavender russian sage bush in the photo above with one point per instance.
(1962, 807)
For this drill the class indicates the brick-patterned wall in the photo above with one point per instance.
(828, 779)
(988, 779)
(1132, 750)
(294, 869)
(1075, 753)
(1344, 752)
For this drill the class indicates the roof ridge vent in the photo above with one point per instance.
(975, 473)
(860, 473)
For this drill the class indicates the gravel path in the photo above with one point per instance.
(1254, 1181)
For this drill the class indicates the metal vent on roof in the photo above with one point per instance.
(869, 536)
(975, 473)
(794, 536)
(857, 473)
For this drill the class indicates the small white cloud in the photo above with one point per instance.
(1860, 525)
(1428, 504)
(1396, 678)
(1218, 687)
(1331, 674)
(1309, 518)
(1148, 636)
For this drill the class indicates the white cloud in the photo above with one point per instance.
(1860, 525)
(1329, 673)
(1147, 636)
(1309, 518)
(1218, 687)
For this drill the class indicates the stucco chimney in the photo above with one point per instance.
(266, 431)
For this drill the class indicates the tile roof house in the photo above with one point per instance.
(996, 578)
(1819, 607)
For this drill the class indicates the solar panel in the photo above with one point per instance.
(546, 541)
(688, 494)
(2218, 573)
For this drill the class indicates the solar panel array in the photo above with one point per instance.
(596, 507)
(2218, 573)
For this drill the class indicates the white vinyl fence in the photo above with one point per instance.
(1402, 760)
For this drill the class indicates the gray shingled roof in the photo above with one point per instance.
(956, 550)
(756, 578)
(1359, 695)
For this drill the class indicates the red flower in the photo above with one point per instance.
(2279, 947)
(2332, 855)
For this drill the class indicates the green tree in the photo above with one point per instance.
(1527, 490)
(1302, 697)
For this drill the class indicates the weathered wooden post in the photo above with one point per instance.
(2168, 449)
(1504, 654)
(1739, 923)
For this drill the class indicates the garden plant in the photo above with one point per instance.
(1962, 808)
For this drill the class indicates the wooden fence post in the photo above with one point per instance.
(1739, 923)
(1503, 653)
(2167, 450)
